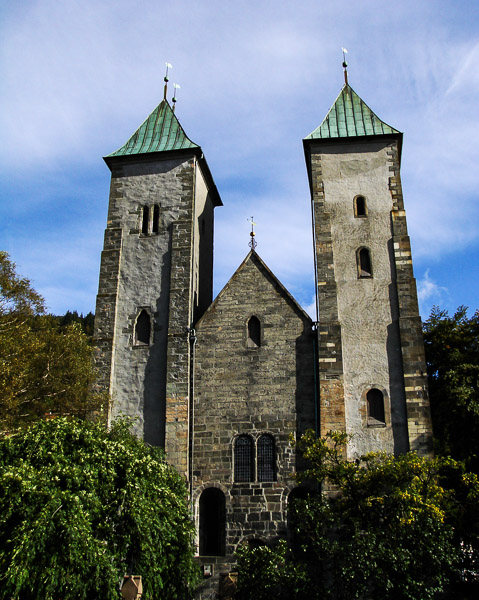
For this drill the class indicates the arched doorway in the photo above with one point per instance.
(212, 522)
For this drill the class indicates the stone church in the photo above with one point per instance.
(222, 384)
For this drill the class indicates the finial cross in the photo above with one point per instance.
(345, 66)
(252, 243)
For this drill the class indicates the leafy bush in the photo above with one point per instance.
(80, 507)
(391, 527)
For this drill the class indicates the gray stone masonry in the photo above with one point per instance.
(157, 272)
(369, 326)
(330, 358)
(251, 390)
(412, 342)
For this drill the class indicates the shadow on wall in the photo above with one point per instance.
(154, 395)
(306, 409)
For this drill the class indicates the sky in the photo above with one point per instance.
(79, 77)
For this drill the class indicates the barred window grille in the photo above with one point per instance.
(266, 459)
(244, 459)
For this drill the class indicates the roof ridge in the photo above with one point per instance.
(253, 255)
(350, 116)
(161, 131)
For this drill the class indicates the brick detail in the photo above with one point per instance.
(105, 312)
(410, 326)
(330, 362)
(180, 319)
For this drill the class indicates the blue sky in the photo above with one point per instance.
(78, 77)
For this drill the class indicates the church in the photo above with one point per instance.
(222, 384)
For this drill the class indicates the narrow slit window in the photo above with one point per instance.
(145, 220)
(142, 329)
(375, 402)
(156, 219)
(360, 206)
(243, 459)
(266, 459)
(254, 333)
(364, 263)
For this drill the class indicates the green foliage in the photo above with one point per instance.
(390, 527)
(265, 573)
(82, 506)
(86, 322)
(452, 355)
(44, 368)
(384, 532)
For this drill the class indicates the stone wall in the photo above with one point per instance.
(410, 324)
(242, 389)
(366, 339)
(158, 272)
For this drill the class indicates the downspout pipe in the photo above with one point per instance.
(316, 378)
(192, 339)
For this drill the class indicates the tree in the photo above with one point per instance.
(452, 355)
(44, 367)
(265, 573)
(86, 322)
(82, 506)
(382, 526)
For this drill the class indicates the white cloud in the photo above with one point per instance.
(430, 293)
(78, 78)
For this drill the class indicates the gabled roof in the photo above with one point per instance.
(350, 117)
(161, 132)
(252, 256)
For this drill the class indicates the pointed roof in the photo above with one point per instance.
(350, 117)
(254, 258)
(161, 132)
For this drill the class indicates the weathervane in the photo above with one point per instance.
(252, 243)
(165, 79)
(345, 66)
(177, 87)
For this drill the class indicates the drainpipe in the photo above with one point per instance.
(192, 338)
(316, 378)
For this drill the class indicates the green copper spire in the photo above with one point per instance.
(160, 132)
(350, 117)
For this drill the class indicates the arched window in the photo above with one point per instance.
(254, 333)
(360, 207)
(156, 219)
(145, 220)
(364, 263)
(212, 522)
(244, 459)
(142, 329)
(266, 458)
(375, 403)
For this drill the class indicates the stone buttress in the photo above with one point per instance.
(371, 356)
(156, 278)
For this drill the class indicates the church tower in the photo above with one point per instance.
(156, 278)
(371, 355)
